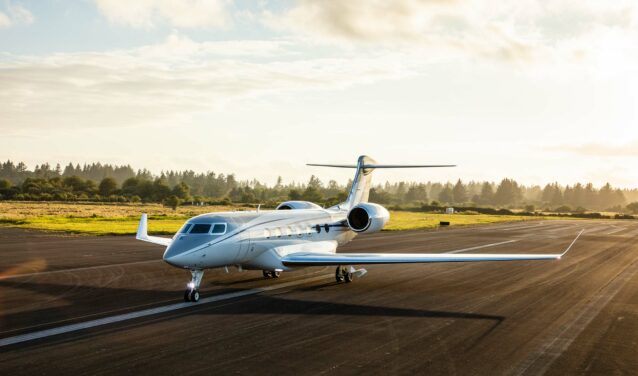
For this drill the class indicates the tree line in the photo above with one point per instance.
(105, 182)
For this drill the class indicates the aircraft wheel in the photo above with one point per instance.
(348, 277)
(275, 274)
(187, 294)
(339, 275)
(193, 295)
(267, 274)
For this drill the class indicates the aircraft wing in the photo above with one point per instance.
(316, 258)
(142, 234)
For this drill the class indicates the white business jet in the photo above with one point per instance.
(297, 234)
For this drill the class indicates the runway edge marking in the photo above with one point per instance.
(148, 312)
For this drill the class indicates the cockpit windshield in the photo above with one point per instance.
(200, 228)
(219, 229)
(205, 228)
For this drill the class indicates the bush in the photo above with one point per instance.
(633, 207)
(172, 201)
(624, 216)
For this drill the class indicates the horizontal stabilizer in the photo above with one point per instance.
(377, 166)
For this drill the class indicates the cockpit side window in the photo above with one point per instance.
(185, 228)
(219, 229)
(200, 228)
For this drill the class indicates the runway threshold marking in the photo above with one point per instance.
(482, 246)
(149, 312)
(539, 362)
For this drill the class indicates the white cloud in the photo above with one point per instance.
(5, 21)
(16, 15)
(177, 13)
(518, 31)
(600, 150)
(152, 83)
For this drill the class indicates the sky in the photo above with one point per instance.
(538, 91)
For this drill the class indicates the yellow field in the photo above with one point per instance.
(403, 220)
(122, 219)
(24, 210)
(97, 218)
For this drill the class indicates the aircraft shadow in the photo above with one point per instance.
(111, 299)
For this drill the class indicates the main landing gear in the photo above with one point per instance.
(342, 274)
(346, 273)
(272, 274)
(192, 289)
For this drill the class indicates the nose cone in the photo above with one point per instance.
(174, 255)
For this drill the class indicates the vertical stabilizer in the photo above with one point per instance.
(361, 183)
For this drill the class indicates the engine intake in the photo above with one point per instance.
(367, 217)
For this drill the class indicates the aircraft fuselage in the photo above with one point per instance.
(256, 240)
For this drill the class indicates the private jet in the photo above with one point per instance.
(297, 234)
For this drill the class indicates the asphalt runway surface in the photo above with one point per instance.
(109, 305)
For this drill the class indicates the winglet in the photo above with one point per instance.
(572, 243)
(142, 229)
(142, 233)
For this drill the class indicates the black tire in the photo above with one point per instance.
(339, 275)
(348, 277)
(194, 295)
(276, 274)
(187, 295)
(267, 274)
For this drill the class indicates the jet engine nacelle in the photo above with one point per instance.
(367, 217)
(292, 205)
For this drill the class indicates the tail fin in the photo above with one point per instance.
(362, 182)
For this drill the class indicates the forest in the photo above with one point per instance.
(112, 183)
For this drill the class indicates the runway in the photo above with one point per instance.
(109, 305)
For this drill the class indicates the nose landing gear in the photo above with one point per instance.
(192, 290)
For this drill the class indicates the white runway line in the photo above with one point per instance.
(517, 226)
(616, 230)
(481, 246)
(77, 269)
(149, 312)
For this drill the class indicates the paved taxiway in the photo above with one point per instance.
(122, 307)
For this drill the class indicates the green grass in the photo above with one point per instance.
(95, 226)
(98, 218)
(405, 220)
(123, 219)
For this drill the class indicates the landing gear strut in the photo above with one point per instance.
(343, 274)
(192, 289)
(272, 274)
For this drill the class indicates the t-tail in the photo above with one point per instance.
(362, 182)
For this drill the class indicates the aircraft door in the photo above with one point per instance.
(244, 247)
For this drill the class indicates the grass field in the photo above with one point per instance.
(122, 219)
(405, 220)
